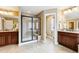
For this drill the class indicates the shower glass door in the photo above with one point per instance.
(27, 28)
(35, 28)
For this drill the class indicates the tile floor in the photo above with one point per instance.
(39, 47)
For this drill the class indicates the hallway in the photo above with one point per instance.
(39, 47)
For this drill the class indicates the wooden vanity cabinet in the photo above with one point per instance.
(69, 40)
(2, 39)
(14, 38)
(7, 38)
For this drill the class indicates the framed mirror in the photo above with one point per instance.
(8, 25)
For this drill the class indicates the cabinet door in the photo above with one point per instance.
(14, 37)
(8, 38)
(68, 40)
(72, 43)
(2, 40)
(60, 38)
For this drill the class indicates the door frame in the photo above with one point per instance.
(55, 36)
(32, 28)
(22, 28)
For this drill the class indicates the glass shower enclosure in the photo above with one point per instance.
(29, 28)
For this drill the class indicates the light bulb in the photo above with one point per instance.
(69, 10)
(5, 13)
(10, 13)
(65, 12)
(1, 12)
(75, 9)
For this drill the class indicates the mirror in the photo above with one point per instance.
(8, 25)
(71, 25)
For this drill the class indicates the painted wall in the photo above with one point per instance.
(43, 21)
(41, 15)
(60, 19)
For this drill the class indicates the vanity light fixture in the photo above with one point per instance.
(65, 12)
(10, 13)
(69, 10)
(75, 9)
(1, 12)
(6, 13)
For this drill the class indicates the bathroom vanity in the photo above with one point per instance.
(8, 37)
(8, 31)
(69, 39)
(9, 26)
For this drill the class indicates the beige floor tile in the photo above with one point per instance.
(39, 47)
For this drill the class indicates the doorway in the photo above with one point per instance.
(51, 27)
(29, 27)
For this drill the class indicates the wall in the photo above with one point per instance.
(43, 21)
(60, 19)
(41, 15)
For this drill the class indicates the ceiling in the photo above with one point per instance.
(36, 9)
(30, 9)
(11, 8)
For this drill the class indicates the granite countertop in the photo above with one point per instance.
(69, 31)
(8, 31)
